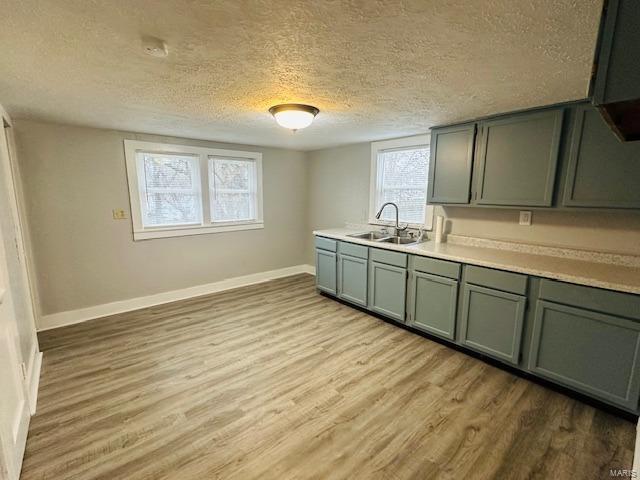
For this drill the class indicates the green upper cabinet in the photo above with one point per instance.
(517, 159)
(602, 171)
(616, 88)
(451, 164)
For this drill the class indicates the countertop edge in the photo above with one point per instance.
(575, 279)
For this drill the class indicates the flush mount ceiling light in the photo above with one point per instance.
(294, 115)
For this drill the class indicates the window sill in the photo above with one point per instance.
(149, 234)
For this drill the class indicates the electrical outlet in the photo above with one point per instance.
(525, 218)
(119, 214)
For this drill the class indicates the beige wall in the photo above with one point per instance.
(73, 177)
(339, 193)
(338, 188)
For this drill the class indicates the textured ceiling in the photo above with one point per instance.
(375, 68)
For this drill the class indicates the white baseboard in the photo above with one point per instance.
(71, 317)
(33, 379)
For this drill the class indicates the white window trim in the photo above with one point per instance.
(131, 147)
(406, 142)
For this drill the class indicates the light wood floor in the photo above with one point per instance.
(275, 381)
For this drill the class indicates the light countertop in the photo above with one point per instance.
(582, 272)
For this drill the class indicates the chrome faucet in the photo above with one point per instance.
(397, 227)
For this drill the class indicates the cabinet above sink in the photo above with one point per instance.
(539, 158)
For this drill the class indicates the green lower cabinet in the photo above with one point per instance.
(352, 279)
(326, 271)
(387, 290)
(492, 322)
(592, 352)
(433, 304)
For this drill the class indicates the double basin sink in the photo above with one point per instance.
(381, 237)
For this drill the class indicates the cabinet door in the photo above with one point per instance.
(492, 322)
(433, 304)
(387, 290)
(326, 271)
(352, 279)
(451, 164)
(592, 352)
(618, 62)
(602, 171)
(518, 156)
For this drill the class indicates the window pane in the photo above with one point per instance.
(403, 180)
(172, 209)
(171, 191)
(168, 171)
(228, 207)
(233, 189)
(231, 174)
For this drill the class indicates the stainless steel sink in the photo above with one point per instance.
(373, 236)
(399, 240)
(381, 237)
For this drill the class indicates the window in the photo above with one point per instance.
(182, 190)
(399, 174)
(233, 186)
(169, 189)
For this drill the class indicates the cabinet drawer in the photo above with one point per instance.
(354, 250)
(492, 322)
(436, 267)
(606, 301)
(498, 279)
(326, 244)
(390, 258)
(592, 352)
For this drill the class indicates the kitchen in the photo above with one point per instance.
(432, 270)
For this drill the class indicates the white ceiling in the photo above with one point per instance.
(375, 68)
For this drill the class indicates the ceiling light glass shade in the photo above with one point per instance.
(294, 115)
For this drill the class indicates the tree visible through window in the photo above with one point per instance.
(402, 179)
(172, 190)
(233, 189)
(190, 190)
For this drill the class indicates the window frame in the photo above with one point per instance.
(254, 179)
(396, 144)
(140, 232)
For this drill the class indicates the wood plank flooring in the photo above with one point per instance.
(275, 381)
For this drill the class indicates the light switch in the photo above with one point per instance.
(525, 217)
(119, 214)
